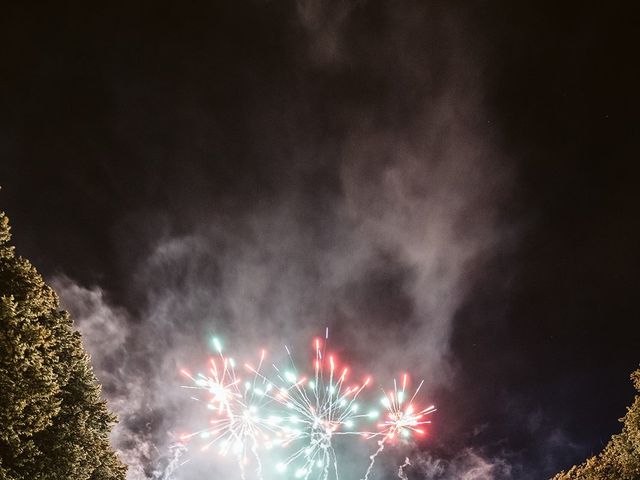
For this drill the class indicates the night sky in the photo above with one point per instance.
(451, 187)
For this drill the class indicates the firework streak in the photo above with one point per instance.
(402, 419)
(297, 417)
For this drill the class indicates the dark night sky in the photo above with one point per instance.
(123, 125)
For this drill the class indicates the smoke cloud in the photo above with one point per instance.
(467, 465)
(377, 233)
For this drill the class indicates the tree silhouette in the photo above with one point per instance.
(620, 458)
(53, 423)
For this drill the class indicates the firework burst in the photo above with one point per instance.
(298, 415)
(241, 422)
(402, 418)
(321, 408)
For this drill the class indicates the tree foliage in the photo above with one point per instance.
(53, 424)
(620, 459)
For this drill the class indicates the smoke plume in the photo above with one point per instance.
(377, 232)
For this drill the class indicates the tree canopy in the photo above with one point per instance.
(620, 459)
(54, 425)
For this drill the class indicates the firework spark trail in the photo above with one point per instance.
(254, 451)
(300, 413)
(401, 474)
(373, 457)
(239, 425)
(321, 409)
(222, 385)
(401, 421)
(177, 450)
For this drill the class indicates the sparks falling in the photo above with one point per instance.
(286, 420)
(402, 419)
(320, 409)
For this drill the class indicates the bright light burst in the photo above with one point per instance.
(240, 424)
(222, 384)
(297, 415)
(320, 409)
(402, 420)
(403, 417)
